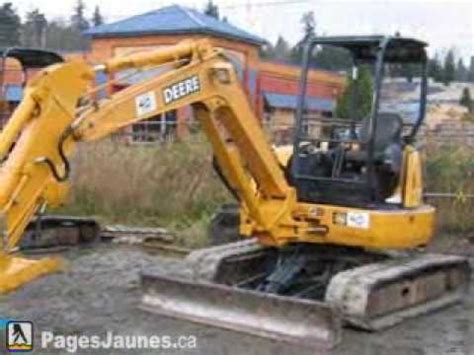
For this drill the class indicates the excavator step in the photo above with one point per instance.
(304, 322)
(380, 295)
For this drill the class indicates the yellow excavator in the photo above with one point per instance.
(331, 235)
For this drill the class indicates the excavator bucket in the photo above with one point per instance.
(16, 271)
(307, 323)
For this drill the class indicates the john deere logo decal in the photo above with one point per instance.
(145, 103)
(19, 336)
(181, 89)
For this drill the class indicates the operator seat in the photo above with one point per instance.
(387, 145)
(387, 152)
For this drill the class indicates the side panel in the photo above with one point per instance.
(395, 229)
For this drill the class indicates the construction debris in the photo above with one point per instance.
(122, 234)
(55, 231)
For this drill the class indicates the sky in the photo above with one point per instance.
(442, 23)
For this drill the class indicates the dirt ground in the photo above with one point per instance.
(100, 293)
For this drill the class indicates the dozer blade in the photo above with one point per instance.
(16, 271)
(379, 295)
(307, 323)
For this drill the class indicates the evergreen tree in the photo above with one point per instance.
(97, 18)
(356, 101)
(267, 51)
(309, 25)
(60, 35)
(411, 70)
(333, 58)
(281, 49)
(34, 30)
(449, 69)
(461, 71)
(79, 24)
(211, 9)
(10, 26)
(309, 31)
(78, 19)
(435, 71)
(466, 100)
(470, 74)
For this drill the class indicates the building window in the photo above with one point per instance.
(161, 128)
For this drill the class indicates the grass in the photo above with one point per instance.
(174, 186)
(451, 169)
(469, 117)
(171, 185)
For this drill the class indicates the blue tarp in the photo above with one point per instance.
(290, 101)
(173, 19)
(13, 93)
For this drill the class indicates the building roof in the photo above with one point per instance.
(290, 101)
(173, 19)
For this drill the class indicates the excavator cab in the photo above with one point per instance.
(13, 80)
(356, 160)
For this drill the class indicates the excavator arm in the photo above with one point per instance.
(59, 111)
(209, 83)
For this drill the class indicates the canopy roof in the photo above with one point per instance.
(364, 48)
(31, 58)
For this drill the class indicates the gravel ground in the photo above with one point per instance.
(100, 293)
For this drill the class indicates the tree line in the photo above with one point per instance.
(448, 70)
(62, 34)
(329, 58)
(65, 34)
(36, 30)
(441, 69)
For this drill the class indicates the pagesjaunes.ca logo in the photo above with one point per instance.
(19, 335)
